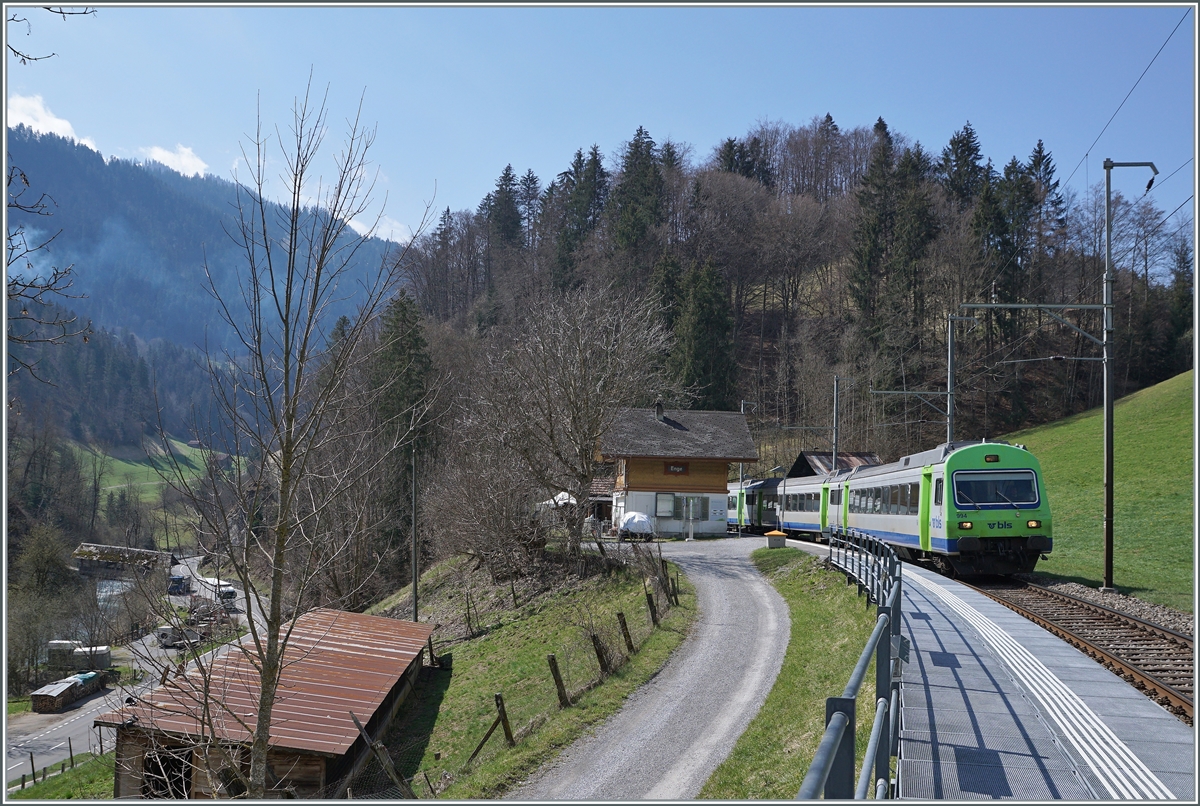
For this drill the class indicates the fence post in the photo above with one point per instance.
(840, 783)
(650, 603)
(601, 656)
(71, 751)
(625, 633)
(883, 691)
(508, 735)
(563, 700)
(32, 769)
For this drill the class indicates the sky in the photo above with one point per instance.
(456, 93)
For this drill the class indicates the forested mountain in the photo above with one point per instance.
(795, 253)
(139, 236)
(780, 258)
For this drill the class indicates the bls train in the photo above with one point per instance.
(964, 507)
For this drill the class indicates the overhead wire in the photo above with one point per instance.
(1087, 153)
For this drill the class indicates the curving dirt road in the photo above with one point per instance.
(675, 730)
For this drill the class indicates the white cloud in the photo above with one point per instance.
(32, 111)
(182, 159)
(388, 228)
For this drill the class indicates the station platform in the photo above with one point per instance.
(994, 706)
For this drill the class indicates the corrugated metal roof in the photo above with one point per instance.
(55, 688)
(120, 554)
(336, 662)
(818, 463)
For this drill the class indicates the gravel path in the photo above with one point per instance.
(674, 731)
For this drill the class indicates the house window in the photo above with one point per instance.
(675, 468)
(664, 505)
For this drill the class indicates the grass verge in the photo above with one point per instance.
(90, 779)
(450, 712)
(1153, 494)
(830, 627)
(18, 705)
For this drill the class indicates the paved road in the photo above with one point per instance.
(47, 735)
(672, 733)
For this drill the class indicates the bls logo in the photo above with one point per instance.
(935, 522)
(1000, 525)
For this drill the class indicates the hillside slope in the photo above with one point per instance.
(1153, 493)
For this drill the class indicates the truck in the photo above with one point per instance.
(179, 586)
(218, 589)
(169, 636)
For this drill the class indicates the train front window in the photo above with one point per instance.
(973, 489)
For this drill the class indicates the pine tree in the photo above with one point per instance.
(873, 231)
(637, 202)
(703, 355)
(962, 172)
(504, 213)
(585, 186)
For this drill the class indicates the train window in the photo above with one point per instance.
(731, 505)
(903, 499)
(937, 493)
(835, 498)
(751, 499)
(1005, 488)
(914, 498)
(894, 498)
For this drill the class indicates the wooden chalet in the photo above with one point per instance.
(673, 465)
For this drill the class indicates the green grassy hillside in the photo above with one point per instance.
(1153, 493)
(131, 466)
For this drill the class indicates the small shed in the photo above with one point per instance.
(818, 463)
(53, 697)
(180, 740)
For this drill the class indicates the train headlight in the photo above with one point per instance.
(992, 457)
(1034, 524)
(966, 526)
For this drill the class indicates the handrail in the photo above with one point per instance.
(875, 568)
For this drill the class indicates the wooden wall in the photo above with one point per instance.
(653, 475)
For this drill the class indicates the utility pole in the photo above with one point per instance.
(950, 320)
(415, 556)
(833, 463)
(1109, 387)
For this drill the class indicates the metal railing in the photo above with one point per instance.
(874, 567)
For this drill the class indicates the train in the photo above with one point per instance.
(963, 508)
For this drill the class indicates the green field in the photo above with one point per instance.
(1153, 494)
(126, 467)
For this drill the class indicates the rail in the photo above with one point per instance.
(874, 567)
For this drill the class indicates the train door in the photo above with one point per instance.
(769, 511)
(925, 506)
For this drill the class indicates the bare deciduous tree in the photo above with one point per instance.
(288, 404)
(557, 383)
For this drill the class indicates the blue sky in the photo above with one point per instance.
(459, 92)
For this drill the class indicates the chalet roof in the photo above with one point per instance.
(681, 434)
(336, 662)
(817, 463)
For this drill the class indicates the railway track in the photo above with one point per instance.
(1154, 659)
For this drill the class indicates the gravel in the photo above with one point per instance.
(674, 731)
(1167, 617)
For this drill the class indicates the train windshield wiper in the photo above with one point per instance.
(958, 492)
(1006, 498)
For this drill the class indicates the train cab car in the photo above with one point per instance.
(973, 508)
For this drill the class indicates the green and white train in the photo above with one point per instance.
(965, 507)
